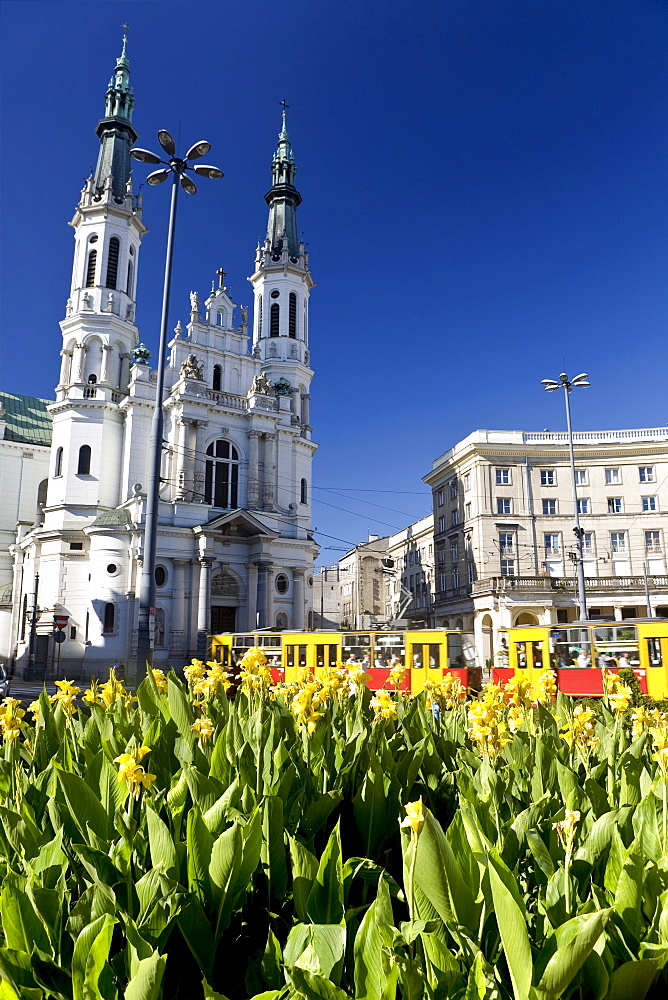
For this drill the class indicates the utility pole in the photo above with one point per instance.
(33, 632)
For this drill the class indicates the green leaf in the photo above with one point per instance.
(314, 987)
(198, 935)
(513, 930)
(317, 948)
(84, 807)
(224, 870)
(273, 846)
(575, 939)
(91, 954)
(180, 709)
(145, 984)
(374, 808)
(304, 870)
(325, 901)
(632, 979)
(163, 851)
(20, 922)
(210, 994)
(375, 972)
(199, 843)
(15, 969)
(540, 852)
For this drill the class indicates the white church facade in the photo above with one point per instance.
(235, 549)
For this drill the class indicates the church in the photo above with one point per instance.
(235, 549)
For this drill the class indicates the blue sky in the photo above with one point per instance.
(484, 197)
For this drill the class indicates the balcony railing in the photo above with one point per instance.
(496, 584)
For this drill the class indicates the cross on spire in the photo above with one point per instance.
(221, 277)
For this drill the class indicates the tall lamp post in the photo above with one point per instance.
(178, 168)
(579, 382)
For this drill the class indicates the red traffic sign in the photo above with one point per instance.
(60, 620)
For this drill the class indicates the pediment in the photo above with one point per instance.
(240, 524)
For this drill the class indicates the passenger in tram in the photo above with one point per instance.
(379, 663)
(396, 661)
(624, 662)
(352, 661)
(583, 660)
(366, 661)
(606, 662)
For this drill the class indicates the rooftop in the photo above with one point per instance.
(26, 419)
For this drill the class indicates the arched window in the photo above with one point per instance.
(90, 268)
(58, 469)
(292, 314)
(109, 616)
(259, 316)
(221, 483)
(304, 491)
(83, 468)
(128, 288)
(275, 320)
(112, 261)
(217, 377)
(41, 493)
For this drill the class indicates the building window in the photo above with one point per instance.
(503, 477)
(503, 505)
(292, 314)
(652, 541)
(455, 576)
(646, 473)
(588, 543)
(440, 498)
(469, 572)
(112, 261)
(507, 567)
(259, 316)
(58, 470)
(441, 581)
(76, 546)
(618, 541)
(109, 616)
(552, 544)
(453, 489)
(467, 481)
(648, 503)
(581, 478)
(282, 583)
(454, 518)
(160, 576)
(550, 507)
(274, 320)
(441, 524)
(506, 543)
(221, 482)
(90, 268)
(304, 491)
(83, 468)
(217, 377)
(440, 555)
(548, 477)
(454, 550)
(615, 505)
(612, 477)
(583, 506)
(128, 287)
(467, 511)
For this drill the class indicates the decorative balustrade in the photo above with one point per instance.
(499, 584)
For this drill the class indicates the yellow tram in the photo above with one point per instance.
(580, 651)
(427, 653)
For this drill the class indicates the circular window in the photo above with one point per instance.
(310, 581)
(160, 576)
(275, 293)
(282, 583)
(112, 568)
(132, 251)
(93, 238)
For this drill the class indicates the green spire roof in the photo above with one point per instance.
(283, 198)
(26, 419)
(116, 132)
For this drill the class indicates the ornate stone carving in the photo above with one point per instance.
(140, 355)
(283, 388)
(194, 302)
(261, 385)
(224, 585)
(191, 368)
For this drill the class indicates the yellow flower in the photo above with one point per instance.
(160, 680)
(545, 690)
(446, 693)
(516, 718)
(414, 816)
(65, 696)
(580, 730)
(566, 828)
(204, 729)
(398, 675)
(10, 719)
(519, 691)
(487, 726)
(195, 671)
(131, 771)
(34, 708)
(383, 705)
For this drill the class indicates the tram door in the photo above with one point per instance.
(425, 660)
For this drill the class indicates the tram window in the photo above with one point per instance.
(626, 633)
(302, 656)
(356, 644)
(290, 655)
(417, 658)
(434, 656)
(537, 654)
(654, 652)
(269, 640)
(455, 657)
(521, 651)
(325, 655)
(333, 656)
(390, 651)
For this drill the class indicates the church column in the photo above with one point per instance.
(270, 444)
(306, 414)
(104, 371)
(253, 472)
(203, 606)
(80, 361)
(66, 367)
(181, 460)
(251, 599)
(262, 594)
(298, 598)
(177, 644)
(270, 595)
(199, 458)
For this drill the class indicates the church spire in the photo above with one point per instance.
(116, 132)
(283, 199)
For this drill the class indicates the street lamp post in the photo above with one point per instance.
(177, 167)
(580, 381)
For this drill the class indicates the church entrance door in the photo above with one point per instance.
(223, 620)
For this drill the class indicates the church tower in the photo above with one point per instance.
(99, 332)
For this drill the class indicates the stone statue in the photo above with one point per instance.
(194, 302)
(140, 355)
(110, 302)
(68, 308)
(244, 315)
(130, 313)
(87, 300)
(191, 368)
(261, 385)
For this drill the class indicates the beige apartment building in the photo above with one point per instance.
(362, 584)
(411, 552)
(504, 543)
